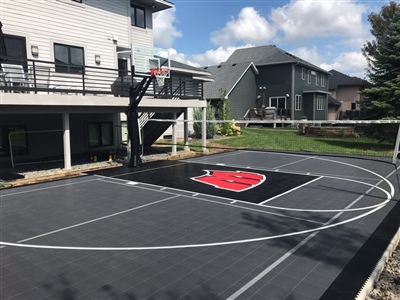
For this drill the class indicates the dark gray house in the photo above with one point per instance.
(239, 83)
(278, 79)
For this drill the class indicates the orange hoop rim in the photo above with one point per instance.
(159, 72)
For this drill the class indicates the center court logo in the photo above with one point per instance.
(236, 181)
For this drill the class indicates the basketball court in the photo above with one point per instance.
(235, 225)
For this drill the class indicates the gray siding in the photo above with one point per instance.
(277, 79)
(243, 96)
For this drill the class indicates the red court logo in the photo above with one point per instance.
(236, 181)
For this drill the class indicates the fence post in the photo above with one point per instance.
(396, 147)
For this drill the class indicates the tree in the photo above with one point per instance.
(383, 56)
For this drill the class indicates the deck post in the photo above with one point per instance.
(185, 131)
(67, 142)
(174, 147)
(204, 129)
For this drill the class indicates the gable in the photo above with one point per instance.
(226, 76)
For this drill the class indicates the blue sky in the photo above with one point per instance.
(327, 33)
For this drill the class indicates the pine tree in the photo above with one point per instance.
(383, 55)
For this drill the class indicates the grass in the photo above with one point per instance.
(283, 139)
(291, 140)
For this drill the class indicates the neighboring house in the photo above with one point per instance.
(293, 86)
(346, 90)
(70, 76)
(235, 81)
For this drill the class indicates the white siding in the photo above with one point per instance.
(144, 36)
(91, 25)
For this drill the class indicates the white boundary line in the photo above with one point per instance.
(97, 219)
(224, 243)
(289, 191)
(47, 188)
(193, 245)
(165, 190)
(291, 251)
(205, 244)
(274, 170)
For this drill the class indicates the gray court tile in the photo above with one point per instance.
(310, 290)
(193, 273)
(90, 284)
(111, 274)
(268, 291)
(318, 279)
(142, 290)
(31, 294)
(15, 289)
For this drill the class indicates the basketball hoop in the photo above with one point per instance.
(160, 74)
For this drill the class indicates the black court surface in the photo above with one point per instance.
(237, 225)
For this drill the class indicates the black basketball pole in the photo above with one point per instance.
(135, 96)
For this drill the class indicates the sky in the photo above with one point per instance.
(327, 33)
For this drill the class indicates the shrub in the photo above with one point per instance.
(230, 129)
(211, 128)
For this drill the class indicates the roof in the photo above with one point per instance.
(340, 79)
(333, 101)
(268, 55)
(226, 76)
(184, 68)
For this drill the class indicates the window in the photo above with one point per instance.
(16, 50)
(278, 102)
(323, 80)
(100, 134)
(68, 59)
(303, 73)
(317, 79)
(353, 106)
(308, 76)
(138, 16)
(297, 102)
(320, 102)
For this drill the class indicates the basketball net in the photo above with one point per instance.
(160, 74)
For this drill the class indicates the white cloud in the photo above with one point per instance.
(214, 57)
(301, 20)
(164, 31)
(351, 63)
(309, 54)
(249, 27)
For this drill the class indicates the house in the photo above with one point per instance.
(235, 81)
(346, 90)
(65, 80)
(277, 79)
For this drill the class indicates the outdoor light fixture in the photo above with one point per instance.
(35, 50)
(97, 59)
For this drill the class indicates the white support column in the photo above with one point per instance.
(185, 131)
(67, 142)
(204, 129)
(396, 146)
(174, 147)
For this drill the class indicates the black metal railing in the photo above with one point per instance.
(37, 76)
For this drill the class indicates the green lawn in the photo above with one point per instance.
(291, 140)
